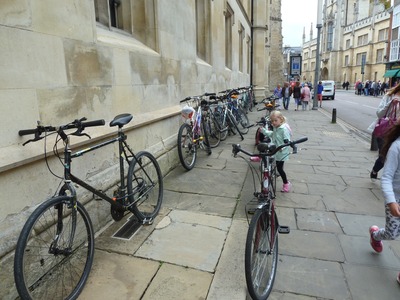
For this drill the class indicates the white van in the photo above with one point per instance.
(329, 89)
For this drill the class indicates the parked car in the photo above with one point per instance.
(329, 89)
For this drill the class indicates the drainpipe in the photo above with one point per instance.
(251, 41)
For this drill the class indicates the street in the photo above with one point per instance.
(354, 110)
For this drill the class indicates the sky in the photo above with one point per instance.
(297, 14)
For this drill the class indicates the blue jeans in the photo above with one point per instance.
(286, 101)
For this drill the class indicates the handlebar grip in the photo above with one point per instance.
(300, 140)
(209, 94)
(100, 122)
(27, 131)
(186, 99)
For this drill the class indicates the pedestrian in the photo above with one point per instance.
(280, 133)
(286, 93)
(305, 97)
(381, 111)
(278, 95)
(359, 87)
(320, 88)
(366, 88)
(297, 95)
(347, 85)
(390, 185)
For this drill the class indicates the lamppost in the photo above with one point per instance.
(317, 60)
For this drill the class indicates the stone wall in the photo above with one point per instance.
(58, 64)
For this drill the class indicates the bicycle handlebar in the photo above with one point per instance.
(197, 97)
(80, 125)
(266, 149)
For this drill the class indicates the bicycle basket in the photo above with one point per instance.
(187, 112)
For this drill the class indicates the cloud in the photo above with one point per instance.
(297, 15)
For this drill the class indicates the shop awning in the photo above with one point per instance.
(391, 73)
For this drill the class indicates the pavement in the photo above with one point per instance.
(195, 247)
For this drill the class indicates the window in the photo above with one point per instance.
(379, 55)
(313, 53)
(305, 55)
(241, 42)
(313, 66)
(348, 44)
(383, 35)
(114, 13)
(346, 60)
(229, 21)
(305, 67)
(134, 17)
(360, 59)
(203, 29)
(362, 40)
(329, 39)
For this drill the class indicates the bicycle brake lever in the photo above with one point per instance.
(33, 140)
(77, 133)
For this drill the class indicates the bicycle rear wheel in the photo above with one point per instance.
(243, 120)
(145, 186)
(187, 149)
(54, 253)
(213, 132)
(261, 254)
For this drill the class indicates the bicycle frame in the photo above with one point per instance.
(68, 176)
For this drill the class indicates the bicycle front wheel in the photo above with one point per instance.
(243, 120)
(213, 132)
(145, 186)
(261, 254)
(187, 149)
(55, 251)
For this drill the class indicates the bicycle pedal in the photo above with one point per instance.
(284, 229)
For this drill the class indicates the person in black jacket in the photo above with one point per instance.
(297, 94)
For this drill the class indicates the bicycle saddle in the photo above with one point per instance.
(121, 120)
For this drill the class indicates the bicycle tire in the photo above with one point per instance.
(206, 140)
(145, 186)
(41, 275)
(260, 258)
(213, 132)
(223, 126)
(233, 124)
(243, 120)
(187, 149)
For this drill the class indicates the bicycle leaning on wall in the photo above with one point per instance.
(55, 249)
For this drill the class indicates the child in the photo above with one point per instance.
(390, 184)
(280, 132)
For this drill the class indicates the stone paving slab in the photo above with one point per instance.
(358, 225)
(368, 282)
(229, 281)
(317, 221)
(357, 250)
(311, 277)
(308, 244)
(187, 239)
(118, 276)
(177, 282)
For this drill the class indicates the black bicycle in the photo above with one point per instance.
(55, 249)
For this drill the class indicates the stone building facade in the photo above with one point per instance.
(353, 37)
(63, 60)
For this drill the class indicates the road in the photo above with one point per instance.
(357, 111)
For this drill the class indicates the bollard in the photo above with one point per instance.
(334, 115)
(374, 143)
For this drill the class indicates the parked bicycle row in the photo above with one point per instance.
(209, 119)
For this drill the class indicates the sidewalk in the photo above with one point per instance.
(195, 248)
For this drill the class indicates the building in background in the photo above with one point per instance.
(354, 42)
(64, 60)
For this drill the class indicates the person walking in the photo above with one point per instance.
(306, 96)
(392, 94)
(286, 93)
(297, 95)
(278, 95)
(320, 88)
(390, 185)
(280, 132)
(359, 87)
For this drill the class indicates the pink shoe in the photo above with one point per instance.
(286, 187)
(376, 245)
